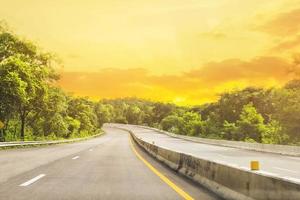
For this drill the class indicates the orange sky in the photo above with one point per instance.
(186, 52)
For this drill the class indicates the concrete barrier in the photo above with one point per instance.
(226, 181)
(268, 148)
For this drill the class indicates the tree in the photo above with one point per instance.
(173, 123)
(161, 110)
(288, 110)
(134, 115)
(54, 113)
(104, 113)
(273, 134)
(192, 124)
(212, 126)
(83, 110)
(230, 131)
(251, 124)
(21, 86)
(25, 74)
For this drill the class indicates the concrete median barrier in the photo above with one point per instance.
(226, 181)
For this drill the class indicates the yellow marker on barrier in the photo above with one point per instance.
(254, 165)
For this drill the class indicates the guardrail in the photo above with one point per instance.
(5, 145)
(226, 181)
(268, 148)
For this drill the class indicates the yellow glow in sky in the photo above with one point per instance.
(182, 51)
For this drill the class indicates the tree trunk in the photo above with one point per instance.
(22, 118)
(2, 135)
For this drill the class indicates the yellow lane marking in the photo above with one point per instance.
(160, 175)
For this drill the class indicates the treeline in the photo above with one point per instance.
(31, 106)
(269, 116)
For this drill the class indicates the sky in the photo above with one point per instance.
(186, 52)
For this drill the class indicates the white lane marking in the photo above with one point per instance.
(32, 180)
(76, 157)
(279, 168)
(90, 149)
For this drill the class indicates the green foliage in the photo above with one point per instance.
(133, 115)
(173, 123)
(104, 113)
(83, 110)
(273, 134)
(230, 131)
(30, 106)
(250, 124)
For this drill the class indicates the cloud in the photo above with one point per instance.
(236, 69)
(106, 83)
(289, 44)
(283, 24)
(283, 31)
(193, 87)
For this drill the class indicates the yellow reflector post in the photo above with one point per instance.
(254, 165)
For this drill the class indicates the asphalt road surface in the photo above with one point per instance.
(107, 167)
(287, 167)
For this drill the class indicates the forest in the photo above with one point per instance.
(33, 107)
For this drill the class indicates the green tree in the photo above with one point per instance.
(83, 110)
(104, 113)
(173, 123)
(251, 124)
(193, 125)
(230, 131)
(25, 74)
(134, 115)
(22, 86)
(55, 113)
(161, 110)
(287, 110)
(273, 134)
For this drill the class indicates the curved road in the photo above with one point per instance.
(107, 167)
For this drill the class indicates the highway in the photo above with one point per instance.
(107, 167)
(287, 167)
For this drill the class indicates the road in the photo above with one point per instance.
(286, 167)
(107, 167)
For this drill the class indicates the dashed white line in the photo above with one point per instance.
(287, 170)
(76, 157)
(32, 180)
